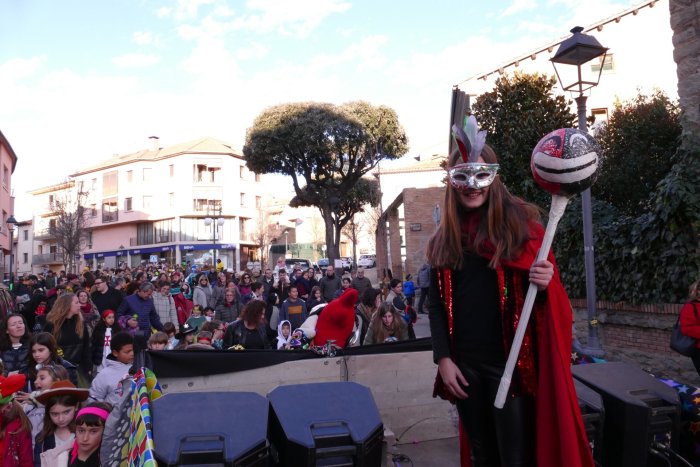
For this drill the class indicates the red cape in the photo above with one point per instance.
(560, 435)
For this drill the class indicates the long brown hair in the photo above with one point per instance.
(58, 313)
(15, 411)
(504, 225)
(379, 331)
(253, 311)
(49, 428)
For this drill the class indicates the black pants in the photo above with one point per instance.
(498, 437)
(696, 360)
(421, 301)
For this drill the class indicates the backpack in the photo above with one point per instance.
(684, 345)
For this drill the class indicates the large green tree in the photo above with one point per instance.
(520, 110)
(638, 142)
(325, 149)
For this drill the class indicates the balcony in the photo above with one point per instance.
(44, 234)
(135, 241)
(48, 258)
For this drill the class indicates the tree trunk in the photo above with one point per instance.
(685, 22)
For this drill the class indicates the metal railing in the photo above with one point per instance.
(48, 258)
(43, 234)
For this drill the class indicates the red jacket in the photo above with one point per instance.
(16, 449)
(690, 321)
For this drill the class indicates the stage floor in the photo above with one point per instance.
(442, 452)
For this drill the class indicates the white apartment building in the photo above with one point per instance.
(191, 202)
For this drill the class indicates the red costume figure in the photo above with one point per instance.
(483, 259)
(337, 320)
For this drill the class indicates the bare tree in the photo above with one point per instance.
(264, 232)
(71, 222)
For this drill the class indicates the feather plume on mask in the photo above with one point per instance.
(477, 139)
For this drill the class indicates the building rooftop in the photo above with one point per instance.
(200, 146)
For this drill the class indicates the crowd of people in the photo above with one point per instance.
(67, 341)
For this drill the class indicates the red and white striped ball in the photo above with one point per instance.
(566, 161)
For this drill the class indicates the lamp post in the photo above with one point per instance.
(572, 54)
(215, 223)
(286, 244)
(11, 222)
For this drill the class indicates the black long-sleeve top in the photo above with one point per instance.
(476, 314)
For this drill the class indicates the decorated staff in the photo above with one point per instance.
(565, 162)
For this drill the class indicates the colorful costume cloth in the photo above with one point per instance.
(543, 367)
(128, 437)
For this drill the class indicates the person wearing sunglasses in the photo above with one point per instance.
(202, 294)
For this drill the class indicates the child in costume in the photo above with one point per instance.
(15, 428)
(61, 403)
(101, 337)
(89, 428)
(284, 335)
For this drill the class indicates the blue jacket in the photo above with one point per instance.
(145, 309)
(409, 289)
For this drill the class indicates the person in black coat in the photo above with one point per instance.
(14, 343)
(250, 331)
(66, 324)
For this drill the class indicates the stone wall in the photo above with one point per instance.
(685, 22)
(638, 334)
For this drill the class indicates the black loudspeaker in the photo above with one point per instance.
(593, 413)
(211, 429)
(639, 412)
(324, 424)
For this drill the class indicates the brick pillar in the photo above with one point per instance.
(395, 244)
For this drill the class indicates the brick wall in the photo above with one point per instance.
(418, 207)
(638, 334)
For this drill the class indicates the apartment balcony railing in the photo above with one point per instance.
(43, 234)
(48, 258)
(135, 241)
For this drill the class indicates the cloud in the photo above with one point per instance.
(20, 67)
(164, 12)
(254, 50)
(135, 60)
(519, 6)
(297, 18)
(188, 9)
(144, 38)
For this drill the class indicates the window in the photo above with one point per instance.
(93, 184)
(129, 176)
(25, 234)
(146, 174)
(257, 178)
(147, 201)
(110, 211)
(243, 200)
(81, 186)
(241, 171)
(41, 249)
(52, 225)
(89, 239)
(25, 258)
(258, 202)
(110, 184)
(171, 168)
(206, 205)
(243, 228)
(127, 204)
(204, 173)
(171, 200)
(5, 176)
(600, 115)
(609, 65)
(93, 210)
(52, 201)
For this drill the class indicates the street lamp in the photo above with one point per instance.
(215, 224)
(286, 236)
(572, 54)
(11, 222)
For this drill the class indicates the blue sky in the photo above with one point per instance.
(83, 80)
